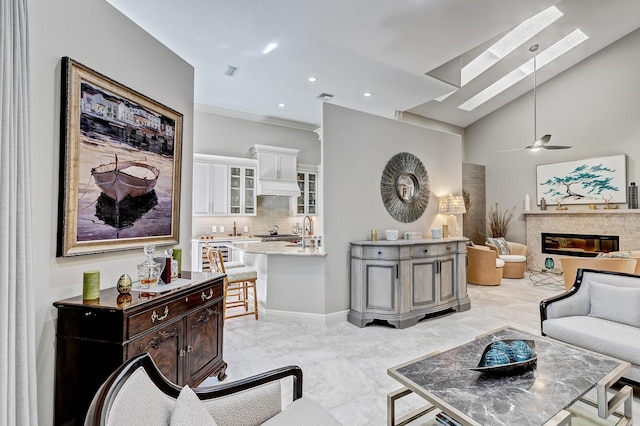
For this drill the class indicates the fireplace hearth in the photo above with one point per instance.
(581, 245)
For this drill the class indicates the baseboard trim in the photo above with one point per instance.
(303, 317)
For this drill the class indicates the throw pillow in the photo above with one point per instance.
(613, 303)
(189, 410)
(613, 255)
(501, 243)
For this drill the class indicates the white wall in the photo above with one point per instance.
(593, 106)
(98, 36)
(355, 149)
(221, 135)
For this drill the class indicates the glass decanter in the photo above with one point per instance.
(149, 270)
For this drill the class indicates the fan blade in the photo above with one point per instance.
(510, 150)
(555, 147)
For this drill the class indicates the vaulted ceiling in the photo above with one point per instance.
(389, 49)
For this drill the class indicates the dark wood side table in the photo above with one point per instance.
(182, 329)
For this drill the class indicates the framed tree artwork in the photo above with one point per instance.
(120, 166)
(592, 181)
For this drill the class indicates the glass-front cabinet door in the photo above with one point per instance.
(306, 203)
(242, 190)
(249, 191)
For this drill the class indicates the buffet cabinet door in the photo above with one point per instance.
(165, 347)
(204, 341)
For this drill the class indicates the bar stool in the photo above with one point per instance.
(237, 283)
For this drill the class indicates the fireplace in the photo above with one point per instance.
(582, 245)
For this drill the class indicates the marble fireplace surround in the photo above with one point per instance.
(622, 222)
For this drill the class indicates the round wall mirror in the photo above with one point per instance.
(405, 187)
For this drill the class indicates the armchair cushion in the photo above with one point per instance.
(619, 304)
(250, 407)
(501, 244)
(189, 410)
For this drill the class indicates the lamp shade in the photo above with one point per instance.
(451, 204)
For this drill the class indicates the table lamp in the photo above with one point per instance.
(451, 205)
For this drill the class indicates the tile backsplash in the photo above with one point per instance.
(271, 211)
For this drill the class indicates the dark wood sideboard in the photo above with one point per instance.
(182, 329)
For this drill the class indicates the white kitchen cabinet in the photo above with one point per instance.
(209, 188)
(306, 204)
(224, 186)
(402, 281)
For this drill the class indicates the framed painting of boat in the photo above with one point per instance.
(120, 166)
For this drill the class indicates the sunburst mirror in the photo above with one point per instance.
(405, 187)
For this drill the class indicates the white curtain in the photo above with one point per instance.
(18, 404)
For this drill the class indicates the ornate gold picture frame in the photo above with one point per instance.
(120, 166)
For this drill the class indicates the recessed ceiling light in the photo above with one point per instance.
(312, 79)
(553, 52)
(269, 48)
(367, 94)
(282, 105)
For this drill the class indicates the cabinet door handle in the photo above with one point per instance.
(397, 271)
(189, 348)
(426, 251)
(155, 316)
(205, 316)
(380, 252)
(157, 340)
(205, 297)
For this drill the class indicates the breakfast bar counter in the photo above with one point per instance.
(277, 247)
(291, 279)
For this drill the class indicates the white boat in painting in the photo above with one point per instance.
(125, 179)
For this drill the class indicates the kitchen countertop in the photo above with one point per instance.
(278, 247)
(227, 238)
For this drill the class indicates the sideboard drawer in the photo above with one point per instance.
(380, 252)
(424, 250)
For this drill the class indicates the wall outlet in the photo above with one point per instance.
(222, 229)
(214, 229)
(246, 229)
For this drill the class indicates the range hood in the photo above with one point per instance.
(278, 188)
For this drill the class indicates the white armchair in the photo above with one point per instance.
(137, 393)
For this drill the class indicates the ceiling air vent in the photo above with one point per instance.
(231, 71)
(324, 96)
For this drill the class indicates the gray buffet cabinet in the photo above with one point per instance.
(402, 281)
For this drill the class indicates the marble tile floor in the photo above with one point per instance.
(345, 367)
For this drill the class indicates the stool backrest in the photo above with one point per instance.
(215, 260)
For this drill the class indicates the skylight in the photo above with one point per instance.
(510, 42)
(543, 58)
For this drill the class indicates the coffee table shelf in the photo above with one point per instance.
(544, 395)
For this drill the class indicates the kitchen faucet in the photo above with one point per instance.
(304, 229)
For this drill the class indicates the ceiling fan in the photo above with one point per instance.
(542, 142)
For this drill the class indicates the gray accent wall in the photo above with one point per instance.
(100, 37)
(594, 106)
(474, 184)
(355, 149)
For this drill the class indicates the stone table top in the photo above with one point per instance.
(562, 375)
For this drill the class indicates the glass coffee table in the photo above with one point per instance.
(544, 277)
(543, 395)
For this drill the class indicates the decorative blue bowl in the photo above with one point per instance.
(496, 360)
